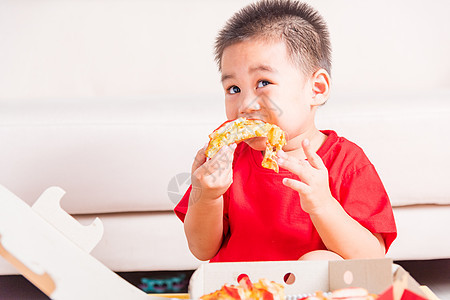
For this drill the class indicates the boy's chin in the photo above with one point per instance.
(257, 143)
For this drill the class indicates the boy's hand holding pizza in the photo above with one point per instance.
(211, 178)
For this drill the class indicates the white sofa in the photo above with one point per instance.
(120, 165)
(116, 125)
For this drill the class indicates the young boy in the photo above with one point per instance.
(327, 201)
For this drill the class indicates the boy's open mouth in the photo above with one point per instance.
(256, 139)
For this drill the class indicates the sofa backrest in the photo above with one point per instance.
(111, 100)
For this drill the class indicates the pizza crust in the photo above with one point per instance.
(241, 129)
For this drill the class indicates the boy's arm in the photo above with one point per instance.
(203, 227)
(339, 231)
(342, 234)
(203, 224)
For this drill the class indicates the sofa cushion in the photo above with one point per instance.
(421, 232)
(109, 157)
(405, 136)
(155, 241)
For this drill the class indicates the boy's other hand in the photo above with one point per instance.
(313, 186)
(211, 178)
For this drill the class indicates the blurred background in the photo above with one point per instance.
(101, 49)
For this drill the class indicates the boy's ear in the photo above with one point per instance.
(320, 87)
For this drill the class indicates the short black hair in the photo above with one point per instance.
(298, 24)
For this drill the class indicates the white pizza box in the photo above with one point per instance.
(51, 249)
(378, 276)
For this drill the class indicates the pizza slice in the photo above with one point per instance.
(240, 129)
(246, 290)
(270, 290)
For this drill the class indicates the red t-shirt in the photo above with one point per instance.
(263, 219)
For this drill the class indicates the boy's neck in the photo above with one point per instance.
(316, 139)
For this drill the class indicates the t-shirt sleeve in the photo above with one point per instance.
(182, 206)
(364, 198)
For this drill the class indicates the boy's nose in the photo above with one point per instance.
(250, 105)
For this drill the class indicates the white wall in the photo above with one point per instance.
(139, 49)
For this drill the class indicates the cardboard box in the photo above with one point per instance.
(378, 276)
(51, 249)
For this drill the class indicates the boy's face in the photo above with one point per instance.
(261, 82)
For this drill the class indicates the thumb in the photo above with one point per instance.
(199, 159)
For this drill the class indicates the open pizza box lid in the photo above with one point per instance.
(378, 276)
(51, 249)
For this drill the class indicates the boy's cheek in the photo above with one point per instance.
(231, 108)
(231, 114)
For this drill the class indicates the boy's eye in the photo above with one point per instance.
(234, 89)
(263, 83)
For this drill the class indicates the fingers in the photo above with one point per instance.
(213, 176)
(223, 159)
(313, 158)
(299, 167)
(200, 159)
(295, 185)
(313, 183)
(306, 169)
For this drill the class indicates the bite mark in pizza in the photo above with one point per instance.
(240, 129)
